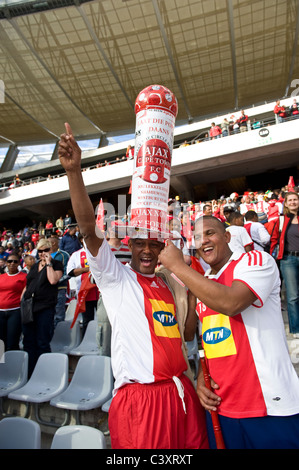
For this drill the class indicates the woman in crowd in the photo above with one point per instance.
(12, 284)
(287, 237)
(42, 281)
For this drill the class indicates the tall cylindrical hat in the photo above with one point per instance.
(156, 109)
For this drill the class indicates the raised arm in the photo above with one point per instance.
(70, 158)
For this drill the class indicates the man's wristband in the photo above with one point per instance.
(49, 264)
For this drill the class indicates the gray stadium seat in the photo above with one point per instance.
(49, 378)
(89, 343)
(65, 338)
(78, 437)
(192, 347)
(13, 373)
(90, 387)
(19, 433)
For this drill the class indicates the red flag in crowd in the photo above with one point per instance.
(100, 216)
(86, 286)
(291, 183)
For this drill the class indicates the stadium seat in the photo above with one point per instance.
(90, 387)
(192, 347)
(49, 378)
(13, 373)
(65, 338)
(88, 344)
(69, 314)
(106, 406)
(78, 437)
(19, 433)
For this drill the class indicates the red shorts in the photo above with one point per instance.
(152, 416)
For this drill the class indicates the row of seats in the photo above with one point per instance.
(90, 387)
(23, 433)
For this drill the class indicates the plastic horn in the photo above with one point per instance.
(214, 415)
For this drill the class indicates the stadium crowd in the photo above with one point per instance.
(251, 218)
(228, 126)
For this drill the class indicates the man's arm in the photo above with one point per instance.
(223, 299)
(70, 158)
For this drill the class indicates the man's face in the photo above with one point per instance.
(211, 242)
(145, 254)
(208, 210)
(54, 244)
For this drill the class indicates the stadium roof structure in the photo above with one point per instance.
(85, 62)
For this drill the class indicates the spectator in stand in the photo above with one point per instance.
(225, 127)
(3, 254)
(215, 131)
(48, 227)
(246, 204)
(12, 284)
(29, 261)
(240, 241)
(59, 223)
(63, 257)
(184, 144)
(35, 237)
(286, 236)
(257, 232)
(294, 109)
(69, 242)
(280, 112)
(2, 266)
(130, 153)
(256, 124)
(9, 248)
(234, 197)
(207, 209)
(41, 229)
(78, 267)
(254, 384)
(42, 280)
(67, 221)
(242, 121)
(31, 250)
(49, 224)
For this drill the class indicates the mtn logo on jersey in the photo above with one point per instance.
(165, 323)
(217, 336)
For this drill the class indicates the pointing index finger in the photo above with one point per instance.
(68, 129)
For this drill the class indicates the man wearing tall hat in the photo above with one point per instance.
(154, 402)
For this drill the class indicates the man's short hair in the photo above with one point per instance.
(234, 216)
(250, 215)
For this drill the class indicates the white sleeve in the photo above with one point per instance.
(258, 270)
(72, 263)
(264, 235)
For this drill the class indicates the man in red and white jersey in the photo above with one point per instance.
(246, 204)
(78, 268)
(256, 388)
(257, 232)
(154, 403)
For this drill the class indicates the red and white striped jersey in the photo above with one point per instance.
(122, 253)
(247, 354)
(146, 345)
